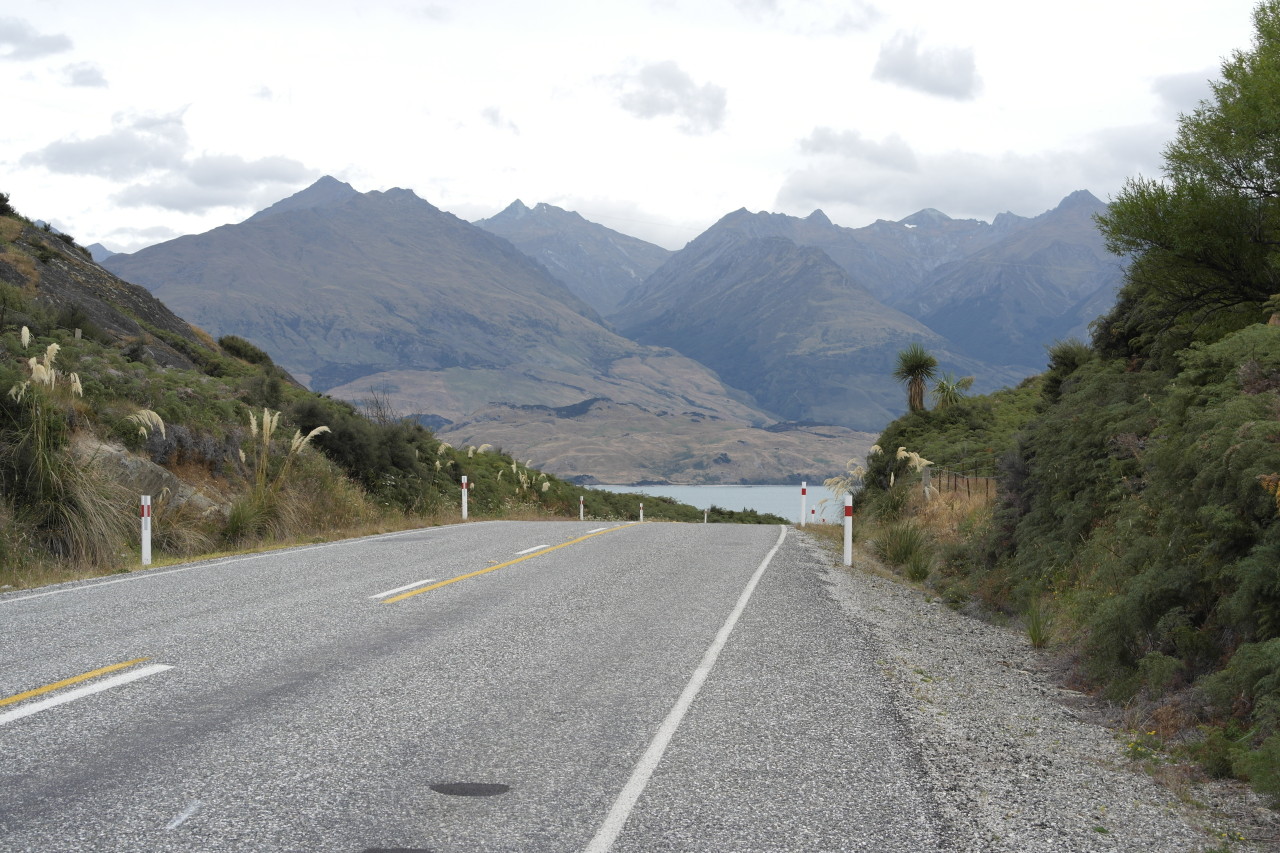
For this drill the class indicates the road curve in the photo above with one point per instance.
(580, 687)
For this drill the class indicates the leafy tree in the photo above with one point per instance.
(915, 368)
(948, 391)
(1203, 239)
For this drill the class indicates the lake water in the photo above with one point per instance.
(779, 500)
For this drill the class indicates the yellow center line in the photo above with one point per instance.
(414, 592)
(69, 681)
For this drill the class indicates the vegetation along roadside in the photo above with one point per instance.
(106, 395)
(1134, 528)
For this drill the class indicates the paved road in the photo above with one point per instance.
(586, 697)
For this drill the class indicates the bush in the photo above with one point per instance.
(243, 350)
(902, 542)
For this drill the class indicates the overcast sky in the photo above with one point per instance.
(133, 122)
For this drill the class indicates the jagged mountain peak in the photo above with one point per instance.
(928, 216)
(818, 218)
(1081, 199)
(596, 263)
(325, 192)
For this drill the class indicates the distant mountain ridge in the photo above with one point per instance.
(600, 265)
(763, 318)
(357, 293)
(781, 321)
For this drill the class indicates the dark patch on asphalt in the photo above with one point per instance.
(470, 789)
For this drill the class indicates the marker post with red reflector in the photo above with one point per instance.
(144, 512)
(848, 530)
(642, 512)
(465, 489)
(804, 503)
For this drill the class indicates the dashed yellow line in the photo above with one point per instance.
(66, 682)
(414, 592)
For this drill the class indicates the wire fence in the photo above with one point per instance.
(946, 480)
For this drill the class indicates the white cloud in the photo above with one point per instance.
(852, 177)
(218, 181)
(137, 144)
(85, 74)
(664, 89)
(893, 152)
(495, 118)
(949, 72)
(19, 40)
(153, 150)
(1182, 93)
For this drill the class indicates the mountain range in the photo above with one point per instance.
(599, 355)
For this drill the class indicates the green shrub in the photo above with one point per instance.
(901, 542)
(244, 350)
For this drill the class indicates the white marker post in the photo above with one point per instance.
(582, 513)
(848, 530)
(642, 512)
(464, 497)
(705, 513)
(804, 502)
(145, 513)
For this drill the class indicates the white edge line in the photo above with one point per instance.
(618, 814)
(80, 692)
(413, 585)
(600, 530)
(531, 550)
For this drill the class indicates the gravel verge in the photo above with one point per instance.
(1017, 762)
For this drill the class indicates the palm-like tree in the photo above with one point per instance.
(949, 390)
(915, 368)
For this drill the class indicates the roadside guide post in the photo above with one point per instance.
(582, 513)
(804, 502)
(145, 512)
(848, 530)
(642, 512)
(464, 497)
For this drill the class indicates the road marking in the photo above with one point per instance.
(67, 682)
(485, 571)
(626, 801)
(224, 561)
(87, 690)
(531, 550)
(402, 588)
(182, 818)
(598, 530)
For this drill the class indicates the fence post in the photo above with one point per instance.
(804, 502)
(465, 489)
(145, 512)
(848, 530)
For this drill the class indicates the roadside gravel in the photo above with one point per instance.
(1016, 762)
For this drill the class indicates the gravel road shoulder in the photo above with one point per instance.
(1017, 762)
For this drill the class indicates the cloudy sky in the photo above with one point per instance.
(134, 122)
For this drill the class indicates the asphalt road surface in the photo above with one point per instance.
(579, 687)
